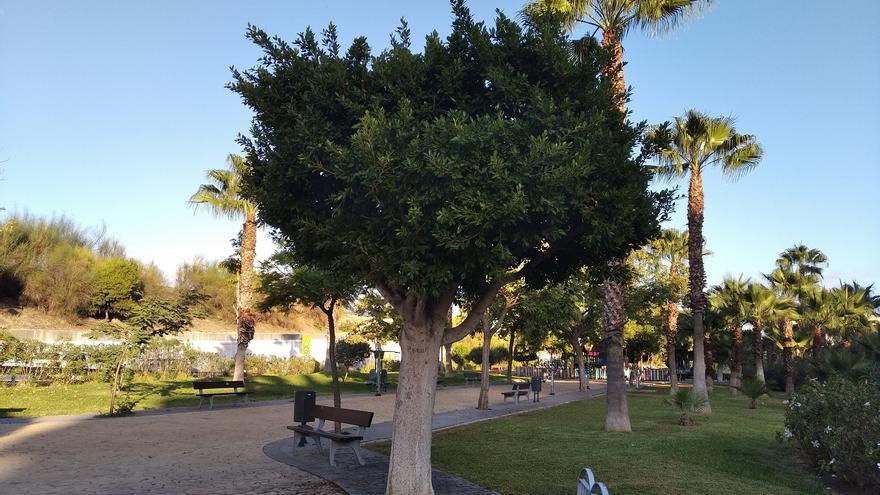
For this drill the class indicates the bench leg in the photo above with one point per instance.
(210, 403)
(332, 453)
(201, 402)
(356, 447)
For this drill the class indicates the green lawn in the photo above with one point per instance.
(26, 401)
(93, 397)
(734, 451)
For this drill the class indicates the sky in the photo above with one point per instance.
(112, 112)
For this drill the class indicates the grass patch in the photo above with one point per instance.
(94, 397)
(732, 451)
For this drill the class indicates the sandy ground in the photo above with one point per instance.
(194, 452)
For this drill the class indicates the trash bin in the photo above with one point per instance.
(304, 406)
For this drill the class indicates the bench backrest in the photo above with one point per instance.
(471, 374)
(347, 416)
(521, 386)
(220, 384)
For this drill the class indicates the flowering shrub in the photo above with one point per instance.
(836, 424)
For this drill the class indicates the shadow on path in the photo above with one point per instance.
(354, 478)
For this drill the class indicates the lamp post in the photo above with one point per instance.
(377, 354)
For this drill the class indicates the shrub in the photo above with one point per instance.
(687, 402)
(460, 354)
(753, 388)
(775, 374)
(278, 365)
(836, 424)
(496, 355)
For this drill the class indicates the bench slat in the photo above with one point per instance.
(341, 415)
(218, 384)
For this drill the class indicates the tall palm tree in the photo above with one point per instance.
(615, 19)
(223, 196)
(728, 299)
(797, 275)
(857, 309)
(694, 142)
(761, 307)
(820, 311)
(671, 247)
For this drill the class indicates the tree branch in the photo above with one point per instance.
(474, 316)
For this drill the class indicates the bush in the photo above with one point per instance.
(278, 365)
(459, 354)
(753, 388)
(775, 374)
(496, 355)
(836, 424)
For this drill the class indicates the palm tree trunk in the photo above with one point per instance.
(758, 349)
(697, 280)
(736, 368)
(671, 341)
(245, 317)
(788, 355)
(711, 374)
(617, 417)
(818, 342)
(614, 70)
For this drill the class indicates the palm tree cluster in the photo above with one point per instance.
(794, 311)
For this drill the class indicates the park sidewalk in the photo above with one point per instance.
(189, 451)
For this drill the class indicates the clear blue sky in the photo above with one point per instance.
(112, 111)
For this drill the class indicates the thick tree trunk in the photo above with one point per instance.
(511, 345)
(758, 349)
(788, 355)
(818, 342)
(711, 374)
(736, 367)
(671, 341)
(245, 293)
(617, 416)
(614, 69)
(409, 471)
(483, 400)
(583, 379)
(697, 281)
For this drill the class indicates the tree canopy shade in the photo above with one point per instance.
(491, 155)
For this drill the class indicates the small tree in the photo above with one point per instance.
(687, 402)
(285, 283)
(147, 320)
(118, 287)
(753, 389)
(349, 353)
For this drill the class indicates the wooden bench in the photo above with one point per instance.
(471, 376)
(361, 419)
(519, 389)
(234, 385)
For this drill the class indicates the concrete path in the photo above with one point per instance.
(198, 451)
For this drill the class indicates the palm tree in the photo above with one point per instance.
(857, 309)
(616, 18)
(671, 247)
(694, 142)
(727, 299)
(797, 274)
(820, 311)
(762, 306)
(224, 197)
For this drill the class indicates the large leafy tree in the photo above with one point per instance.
(490, 156)
(118, 287)
(224, 197)
(686, 147)
(615, 19)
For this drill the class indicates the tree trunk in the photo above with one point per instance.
(711, 374)
(758, 348)
(697, 281)
(788, 355)
(510, 347)
(614, 69)
(617, 416)
(447, 353)
(245, 295)
(736, 368)
(409, 471)
(818, 342)
(483, 400)
(583, 379)
(671, 341)
(331, 351)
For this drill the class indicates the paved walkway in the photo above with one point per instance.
(199, 452)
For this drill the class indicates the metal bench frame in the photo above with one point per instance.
(519, 389)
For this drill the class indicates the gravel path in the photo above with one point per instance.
(214, 452)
